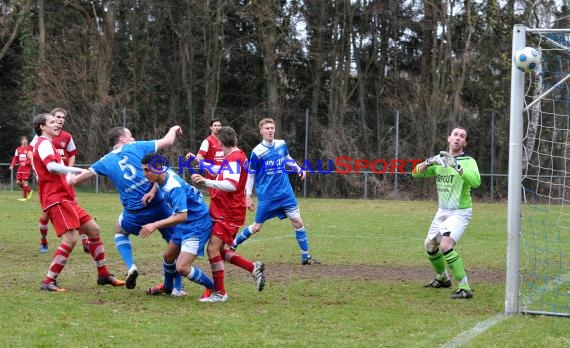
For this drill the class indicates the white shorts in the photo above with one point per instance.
(191, 246)
(453, 222)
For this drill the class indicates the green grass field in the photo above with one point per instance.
(367, 293)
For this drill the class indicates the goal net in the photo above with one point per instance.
(538, 253)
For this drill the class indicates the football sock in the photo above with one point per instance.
(58, 262)
(199, 277)
(170, 272)
(243, 236)
(437, 261)
(98, 254)
(236, 259)
(43, 226)
(26, 190)
(84, 239)
(217, 265)
(125, 249)
(303, 241)
(178, 281)
(455, 263)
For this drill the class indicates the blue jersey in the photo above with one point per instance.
(268, 163)
(184, 198)
(123, 167)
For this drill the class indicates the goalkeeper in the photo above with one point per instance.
(455, 174)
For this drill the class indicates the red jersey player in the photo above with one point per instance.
(59, 204)
(24, 162)
(210, 152)
(228, 211)
(65, 147)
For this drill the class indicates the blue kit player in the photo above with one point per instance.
(268, 172)
(141, 204)
(191, 222)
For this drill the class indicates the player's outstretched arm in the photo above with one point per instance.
(169, 138)
(148, 229)
(421, 168)
(77, 179)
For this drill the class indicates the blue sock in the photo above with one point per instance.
(125, 248)
(198, 276)
(169, 274)
(178, 281)
(243, 236)
(303, 241)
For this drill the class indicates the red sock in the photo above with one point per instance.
(98, 254)
(84, 239)
(58, 262)
(43, 225)
(217, 265)
(236, 259)
(26, 190)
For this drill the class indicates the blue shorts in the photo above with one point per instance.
(275, 208)
(131, 222)
(198, 230)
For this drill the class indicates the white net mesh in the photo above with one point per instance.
(545, 223)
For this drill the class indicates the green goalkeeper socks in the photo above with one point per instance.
(438, 264)
(455, 263)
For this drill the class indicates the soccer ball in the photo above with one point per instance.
(526, 59)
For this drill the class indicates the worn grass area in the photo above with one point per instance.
(368, 292)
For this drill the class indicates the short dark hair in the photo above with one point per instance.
(40, 120)
(115, 134)
(148, 157)
(155, 162)
(227, 136)
(214, 121)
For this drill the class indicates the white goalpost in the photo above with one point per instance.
(538, 227)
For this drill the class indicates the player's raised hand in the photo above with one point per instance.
(451, 161)
(436, 160)
(198, 179)
(177, 129)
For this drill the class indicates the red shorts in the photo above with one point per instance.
(23, 175)
(225, 231)
(66, 216)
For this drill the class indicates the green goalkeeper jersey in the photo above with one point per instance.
(453, 189)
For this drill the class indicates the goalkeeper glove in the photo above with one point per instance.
(438, 160)
(451, 161)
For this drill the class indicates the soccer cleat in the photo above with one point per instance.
(178, 293)
(86, 248)
(233, 246)
(462, 293)
(51, 286)
(206, 294)
(436, 283)
(310, 261)
(158, 289)
(111, 280)
(131, 280)
(29, 194)
(43, 249)
(215, 296)
(22, 199)
(257, 274)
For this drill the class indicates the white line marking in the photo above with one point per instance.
(481, 327)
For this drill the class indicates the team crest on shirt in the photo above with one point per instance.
(62, 144)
